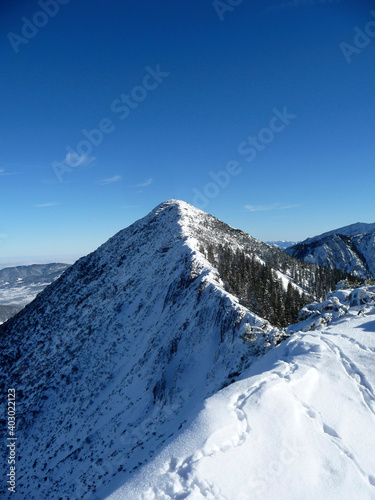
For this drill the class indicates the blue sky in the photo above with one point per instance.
(177, 91)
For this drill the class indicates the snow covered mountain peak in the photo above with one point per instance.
(192, 220)
(178, 204)
(113, 359)
(177, 209)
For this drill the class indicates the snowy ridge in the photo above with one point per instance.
(200, 228)
(351, 230)
(300, 423)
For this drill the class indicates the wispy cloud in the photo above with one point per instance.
(44, 205)
(142, 184)
(4, 172)
(270, 206)
(75, 160)
(110, 180)
(67, 165)
(260, 208)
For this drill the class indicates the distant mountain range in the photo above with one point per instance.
(282, 244)
(20, 285)
(351, 249)
(114, 357)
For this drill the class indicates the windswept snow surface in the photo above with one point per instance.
(299, 425)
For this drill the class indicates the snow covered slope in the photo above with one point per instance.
(350, 249)
(299, 425)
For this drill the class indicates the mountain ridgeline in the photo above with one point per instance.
(263, 278)
(113, 358)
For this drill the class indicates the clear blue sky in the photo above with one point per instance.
(216, 76)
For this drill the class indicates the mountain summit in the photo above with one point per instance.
(110, 359)
(113, 358)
